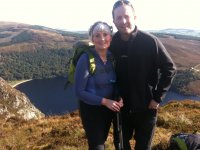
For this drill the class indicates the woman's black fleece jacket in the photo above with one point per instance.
(144, 69)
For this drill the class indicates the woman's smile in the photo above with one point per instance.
(101, 40)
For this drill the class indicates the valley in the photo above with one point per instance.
(35, 59)
(38, 52)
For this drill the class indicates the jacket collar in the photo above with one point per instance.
(94, 52)
(133, 34)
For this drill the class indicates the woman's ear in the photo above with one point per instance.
(91, 39)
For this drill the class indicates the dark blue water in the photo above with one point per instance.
(49, 96)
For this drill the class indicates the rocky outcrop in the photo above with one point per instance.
(14, 103)
(194, 87)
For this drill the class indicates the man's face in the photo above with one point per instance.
(124, 19)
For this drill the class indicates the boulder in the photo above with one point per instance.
(14, 103)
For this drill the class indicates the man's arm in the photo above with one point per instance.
(167, 72)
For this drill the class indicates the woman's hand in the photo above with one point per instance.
(112, 105)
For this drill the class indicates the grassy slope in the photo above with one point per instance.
(66, 133)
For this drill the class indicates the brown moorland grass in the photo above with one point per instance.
(66, 132)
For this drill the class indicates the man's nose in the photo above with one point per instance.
(124, 20)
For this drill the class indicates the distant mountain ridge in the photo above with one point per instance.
(188, 32)
(24, 37)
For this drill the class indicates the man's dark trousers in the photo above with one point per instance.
(141, 125)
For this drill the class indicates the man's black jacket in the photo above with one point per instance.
(144, 69)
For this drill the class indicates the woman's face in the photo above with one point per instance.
(101, 40)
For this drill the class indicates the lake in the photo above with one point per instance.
(49, 96)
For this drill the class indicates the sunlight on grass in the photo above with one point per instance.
(17, 82)
(66, 132)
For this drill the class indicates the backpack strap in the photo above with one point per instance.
(92, 64)
(181, 143)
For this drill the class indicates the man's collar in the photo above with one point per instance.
(133, 34)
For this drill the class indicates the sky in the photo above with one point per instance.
(79, 15)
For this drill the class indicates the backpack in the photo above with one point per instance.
(183, 141)
(81, 47)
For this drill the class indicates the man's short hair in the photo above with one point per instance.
(122, 3)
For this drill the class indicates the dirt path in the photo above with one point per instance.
(20, 82)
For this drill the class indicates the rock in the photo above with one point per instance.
(194, 87)
(14, 103)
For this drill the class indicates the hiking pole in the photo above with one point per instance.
(119, 131)
(118, 120)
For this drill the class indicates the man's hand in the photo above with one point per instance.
(153, 104)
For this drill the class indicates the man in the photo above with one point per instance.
(144, 73)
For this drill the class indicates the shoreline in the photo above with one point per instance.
(16, 84)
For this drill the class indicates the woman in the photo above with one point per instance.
(96, 91)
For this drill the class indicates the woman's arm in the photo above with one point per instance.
(81, 78)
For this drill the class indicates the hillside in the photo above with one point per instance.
(23, 37)
(185, 53)
(185, 32)
(36, 52)
(34, 64)
(66, 133)
(19, 37)
(14, 104)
